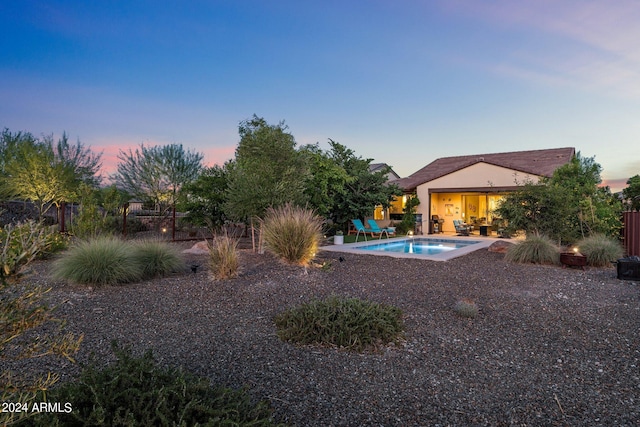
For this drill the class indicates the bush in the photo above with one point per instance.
(157, 258)
(535, 249)
(103, 261)
(347, 323)
(600, 250)
(223, 257)
(292, 233)
(466, 308)
(135, 391)
(20, 244)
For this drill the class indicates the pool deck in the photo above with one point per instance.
(483, 242)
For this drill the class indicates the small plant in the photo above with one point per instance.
(103, 261)
(466, 308)
(600, 250)
(348, 323)
(292, 233)
(536, 250)
(20, 244)
(136, 391)
(157, 258)
(223, 258)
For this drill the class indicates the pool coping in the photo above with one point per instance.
(353, 248)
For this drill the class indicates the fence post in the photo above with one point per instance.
(631, 232)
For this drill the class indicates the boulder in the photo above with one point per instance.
(200, 248)
(500, 246)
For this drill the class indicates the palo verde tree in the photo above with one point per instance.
(157, 174)
(45, 172)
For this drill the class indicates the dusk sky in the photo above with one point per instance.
(400, 82)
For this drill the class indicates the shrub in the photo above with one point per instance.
(535, 249)
(20, 244)
(103, 261)
(223, 257)
(292, 233)
(157, 258)
(466, 308)
(600, 250)
(135, 391)
(347, 323)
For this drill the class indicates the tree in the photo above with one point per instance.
(45, 172)
(204, 198)
(363, 190)
(157, 174)
(567, 206)
(268, 171)
(632, 193)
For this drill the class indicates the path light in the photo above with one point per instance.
(194, 268)
(410, 234)
(164, 229)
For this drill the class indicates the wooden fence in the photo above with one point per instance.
(631, 232)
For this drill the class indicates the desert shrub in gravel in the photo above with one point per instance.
(224, 261)
(348, 323)
(103, 261)
(600, 250)
(134, 391)
(20, 244)
(466, 308)
(536, 250)
(292, 233)
(157, 258)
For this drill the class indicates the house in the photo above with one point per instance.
(469, 188)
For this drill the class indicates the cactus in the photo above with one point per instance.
(466, 308)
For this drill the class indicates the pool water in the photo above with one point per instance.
(419, 246)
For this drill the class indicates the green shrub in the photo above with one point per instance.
(347, 323)
(223, 258)
(103, 261)
(600, 250)
(136, 392)
(535, 249)
(157, 258)
(466, 308)
(292, 233)
(20, 244)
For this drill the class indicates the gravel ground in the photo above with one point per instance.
(550, 346)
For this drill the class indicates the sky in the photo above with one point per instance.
(399, 82)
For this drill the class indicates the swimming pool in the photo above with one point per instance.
(418, 246)
(435, 249)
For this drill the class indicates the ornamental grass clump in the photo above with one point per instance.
(600, 250)
(224, 261)
(535, 250)
(157, 258)
(292, 233)
(466, 308)
(135, 391)
(348, 323)
(102, 261)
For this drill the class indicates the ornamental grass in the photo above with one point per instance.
(536, 249)
(224, 261)
(292, 233)
(157, 258)
(600, 250)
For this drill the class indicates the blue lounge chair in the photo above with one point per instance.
(360, 228)
(462, 229)
(375, 229)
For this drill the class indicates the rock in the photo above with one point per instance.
(501, 246)
(200, 248)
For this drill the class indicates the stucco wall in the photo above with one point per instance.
(477, 176)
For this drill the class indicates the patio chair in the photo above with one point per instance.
(375, 229)
(359, 228)
(462, 229)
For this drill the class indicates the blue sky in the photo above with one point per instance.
(401, 82)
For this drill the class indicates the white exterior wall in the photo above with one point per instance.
(475, 176)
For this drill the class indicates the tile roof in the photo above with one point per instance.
(533, 162)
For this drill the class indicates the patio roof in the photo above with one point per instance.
(533, 162)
